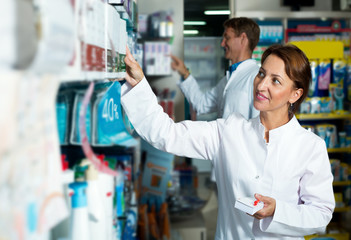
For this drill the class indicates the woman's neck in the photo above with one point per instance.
(271, 121)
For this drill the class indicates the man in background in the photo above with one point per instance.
(234, 92)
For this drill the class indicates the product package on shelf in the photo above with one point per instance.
(328, 91)
(157, 60)
(94, 39)
(112, 41)
(348, 81)
(33, 195)
(99, 35)
(123, 37)
(156, 173)
(63, 108)
(271, 33)
(75, 137)
(108, 126)
(313, 91)
(19, 40)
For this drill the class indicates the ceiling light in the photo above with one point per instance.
(217, 12)
(194, 23)
(190, 32)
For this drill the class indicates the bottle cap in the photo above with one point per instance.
(65, 164)
(79, 173)
(79, 198)
(91, 173)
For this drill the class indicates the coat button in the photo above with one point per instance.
(257, 177)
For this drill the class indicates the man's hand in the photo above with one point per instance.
(179, 66)
(134, 72)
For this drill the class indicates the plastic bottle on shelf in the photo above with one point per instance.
(120, 204)
(129, 232)
(79, 228)
(67, 178)
(124, 163)
(106, 186)
(61, 230)
(163, 219)
(96, 208)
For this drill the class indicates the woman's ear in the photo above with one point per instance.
(296, 95)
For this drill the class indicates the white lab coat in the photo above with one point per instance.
(233, 93)
(293, 168)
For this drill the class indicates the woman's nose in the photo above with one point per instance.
(262, 84)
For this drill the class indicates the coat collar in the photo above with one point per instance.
(277, 133)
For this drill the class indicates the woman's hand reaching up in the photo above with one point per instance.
(134, 72)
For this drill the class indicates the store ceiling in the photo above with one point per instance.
(194, 11)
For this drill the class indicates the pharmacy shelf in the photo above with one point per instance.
(341, 183)
(338, 236)
(324, 116)
(342, 209)
(339, 150)
(293, 15)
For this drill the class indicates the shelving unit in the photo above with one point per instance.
(339, 150)
(323, 116)
(285, 16)
(103, 32)
(334, 50)
(205, 59)
(341, 183)
(303, 118)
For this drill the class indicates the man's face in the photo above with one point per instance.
(232, 44)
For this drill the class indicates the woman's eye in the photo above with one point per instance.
(276, 81)
(260, 74)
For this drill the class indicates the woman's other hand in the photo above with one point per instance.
(134, 72)
(268, 208)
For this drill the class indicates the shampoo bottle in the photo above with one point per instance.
(79, 229)
(61, 230)
(129, 232)
(106, 186)
(96, 208)
(119, 202)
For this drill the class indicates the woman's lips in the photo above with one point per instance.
(261, 97)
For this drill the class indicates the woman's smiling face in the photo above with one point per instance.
(273, 89)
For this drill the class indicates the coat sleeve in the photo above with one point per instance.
(187, 138)
(202, 101)
(316, 196)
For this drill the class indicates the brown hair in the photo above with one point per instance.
(245, 25)
(297, 67)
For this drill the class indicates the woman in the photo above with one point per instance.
(279, 162)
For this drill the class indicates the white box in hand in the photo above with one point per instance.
(249, 205)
